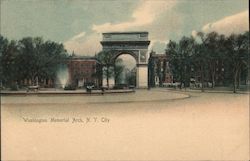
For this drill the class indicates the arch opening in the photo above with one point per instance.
(125, 71)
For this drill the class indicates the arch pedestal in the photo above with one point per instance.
(142, 76)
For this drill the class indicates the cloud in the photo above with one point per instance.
(158, 45)
(79, 36)
(194, 33)
(144, 14)
(148, 15)
(237, 23)
(87, 45)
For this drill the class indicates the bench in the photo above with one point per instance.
(34, 88)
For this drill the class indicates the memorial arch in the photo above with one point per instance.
(132, 43)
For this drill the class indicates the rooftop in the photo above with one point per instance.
(127, 32)
(78, 57)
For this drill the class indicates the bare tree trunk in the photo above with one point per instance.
(212, 70)
(235, 80)
(181, 82)
(37, 80)
(202, 79)
(107, 77)
(238, 84)
(213, 79)
(33, 80)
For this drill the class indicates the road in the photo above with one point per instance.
(146, 125)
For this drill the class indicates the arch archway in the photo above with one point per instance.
(133, 43)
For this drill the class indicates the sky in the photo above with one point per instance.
(79, 24)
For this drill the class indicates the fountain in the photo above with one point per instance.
(62, 76)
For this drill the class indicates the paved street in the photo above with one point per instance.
(146, 125)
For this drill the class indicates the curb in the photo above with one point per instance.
(65, 93)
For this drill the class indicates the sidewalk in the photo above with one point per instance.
(60, 91)
(211, 90)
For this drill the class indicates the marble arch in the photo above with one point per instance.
(132, 43)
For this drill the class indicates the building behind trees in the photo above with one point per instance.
(159, 70)
(84, 71)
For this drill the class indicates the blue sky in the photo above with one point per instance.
(79, 23)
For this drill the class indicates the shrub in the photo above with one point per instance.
(70, 87)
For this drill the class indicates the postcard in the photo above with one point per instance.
(124, 80)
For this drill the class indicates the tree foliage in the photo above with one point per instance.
(118, 70)
(208, 56)
(180, 59)
(106, 59)
(29, 58)
(237, 54)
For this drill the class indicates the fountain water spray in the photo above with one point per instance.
(63, 76)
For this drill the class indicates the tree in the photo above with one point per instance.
(201, 57)
(3, 47)
(199, 63)
(186, 50)
(9, 68)
(106, 59)
(29, 58)
(180, 59)
(130, 76)
(246, 58)
(212, 48)
(40, 60)
(52, 55)
(237, 50)
(98, 74)
(175, 65)
(210, 54)
(151, 70)
(118, 70)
